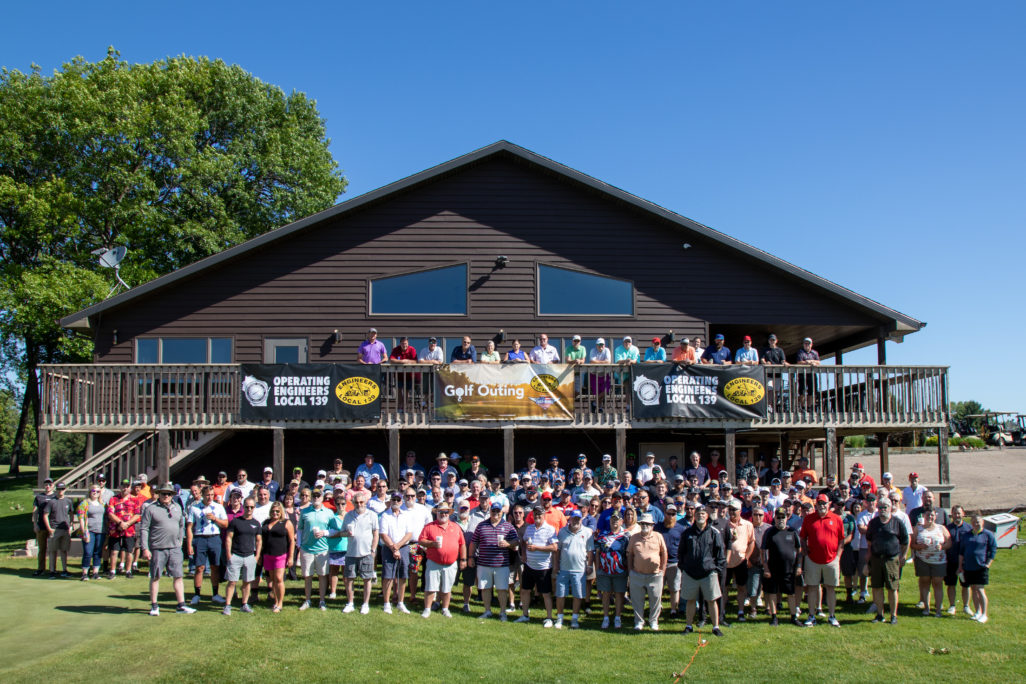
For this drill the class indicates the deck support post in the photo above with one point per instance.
(885, 458)
(730, 457)
(943, 465)
(44, 457)
(621, 449)
(830, 453)
(840, 458)
(393, 455)
(163, 456)
(278, 455)
(507, 451)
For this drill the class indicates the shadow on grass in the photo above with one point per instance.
(100, 610)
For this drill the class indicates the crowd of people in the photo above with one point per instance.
(688, 350)
(680, 534)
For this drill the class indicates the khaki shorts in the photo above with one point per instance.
(707, 587)
(827, 575)
(313, 563)
(885, 573)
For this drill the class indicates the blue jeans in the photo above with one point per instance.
(92, 551)
(754, 582)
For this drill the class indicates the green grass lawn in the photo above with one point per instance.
(73, 631)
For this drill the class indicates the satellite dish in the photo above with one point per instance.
(111, 258)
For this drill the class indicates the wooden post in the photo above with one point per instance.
(784, 445)
(163, 456)
(44, 457)
(885, 459)
(507, 451)
(830, 452)
(393, 455)
(730, 457)
(621, 449)
(89, 446)
(278, 455)
(881, 351)
(840, 458)
(943, 466)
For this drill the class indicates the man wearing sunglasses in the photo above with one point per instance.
(446, 551)
(161, 531)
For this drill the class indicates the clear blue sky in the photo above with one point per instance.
(881, 145)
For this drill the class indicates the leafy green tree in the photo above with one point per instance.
(177, 160)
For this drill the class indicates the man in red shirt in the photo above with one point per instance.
(822, 538)
(404, 353)
(864, 479)
(446, 552)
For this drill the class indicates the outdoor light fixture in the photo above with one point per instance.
(501, 261)
(686, 245)
(338, 336)
(115, 335)
(499, 337)
(670, 337)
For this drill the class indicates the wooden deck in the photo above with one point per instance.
(121, 398)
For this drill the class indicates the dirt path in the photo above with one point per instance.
(991, 479)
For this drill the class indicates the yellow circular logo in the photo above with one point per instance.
(544, 382)
(744, 391)
(357, 391)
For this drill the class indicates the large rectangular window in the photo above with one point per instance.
(562, 292)
(183, 350)
(438, 291)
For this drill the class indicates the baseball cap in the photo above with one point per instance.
(615, 514)
(464, 482)
(718, 337)
(679, 478)
(49, 480)
(496, 506)
(772, 336)
(322, 473)
(600, 340)
(61, 485)
(886, 476)
(645, 519)
(911, 475)
(575, 514)
(607, 457)
(823, 497)
(433, 339)
(101, 476)
(786, 473)
(575, 338)
(546, 495)
(627, 338)
(685, 341)
(775, 481)
(656, 340)
(670, 506)
(746, 338)
(857, 466)
(799, 484)
(735, 504)
(268, 469)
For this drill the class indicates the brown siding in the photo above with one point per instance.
(316, 281)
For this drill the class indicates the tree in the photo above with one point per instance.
(960, 412)
(176, 160)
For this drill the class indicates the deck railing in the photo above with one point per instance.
(98, 397)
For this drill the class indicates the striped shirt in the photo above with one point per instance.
(486, 538)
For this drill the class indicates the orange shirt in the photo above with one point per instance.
(684, 354)
(800, 474)
(553, 516)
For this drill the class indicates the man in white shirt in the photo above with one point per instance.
(539, 544)
(395, 530)
(913, 494)
(263, 504)
(544, 352)
(601, 353)
(644, 473)
(242, 484)
(431, 353)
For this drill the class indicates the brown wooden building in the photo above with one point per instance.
(498, 244)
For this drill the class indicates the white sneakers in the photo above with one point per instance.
(654, 624)
(426, 614)
(217, 598)
(952, 610)
(155, 611)
(559, 622)
(982, 618)
(446, 613)
(349, 608)
(304, 605)
(387, 608)
(547, 624)
(638, 624)
(365, 608)
(227, 610)
(920, 605)
(402, 608)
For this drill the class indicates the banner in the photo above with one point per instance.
(328, 391)
(669, 390)
(515, 391)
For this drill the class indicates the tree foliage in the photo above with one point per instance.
(177, 160)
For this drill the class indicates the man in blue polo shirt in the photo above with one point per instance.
(464, 353)
(717, 354)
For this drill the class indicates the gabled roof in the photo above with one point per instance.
(893, 321)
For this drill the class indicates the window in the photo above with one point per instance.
(562, 292)
(285, 350)
(439, 291)
(183, 350)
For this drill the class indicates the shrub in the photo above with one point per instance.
(855, 441)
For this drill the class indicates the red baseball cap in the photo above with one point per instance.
(746, 338)
(656, 340)
(911, 475)
(823, 497)
(857, 465)
(546, 495)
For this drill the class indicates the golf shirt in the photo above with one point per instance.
(823, 536)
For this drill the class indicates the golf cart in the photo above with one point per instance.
(995, 429)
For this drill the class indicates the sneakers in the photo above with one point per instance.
(111, 575)
(952, 610)
(982, 619)
(365, 608)
(894, 619)
(926, 612)
(716, 631)
(227, 610)
(217, 598)
(758, 602)
(605, 622)
(833, 621)
(304, 605)
(688, 629)
(485, 615)
(558, 624)
(968, 611)
(128, 575)
(862, 599)
(349, 608)
(185, 609)
(502, 617)
(774, 622)
(403, 609)
(616, 622)
(332, 596)
(245, 608)
(155, 610)
(522, 618)
(939, 613)
(741, 616)
(820, 614)
(426, 614)
(195, 600)
(387, 608)
(654, 625)
(920, 605)
(547, 624)
(574, 624)
(466, 607)
(322, 605)
(879, 618)
(811, 622)
(638, 624)
(446, 613)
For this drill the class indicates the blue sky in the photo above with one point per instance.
(880, 145)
